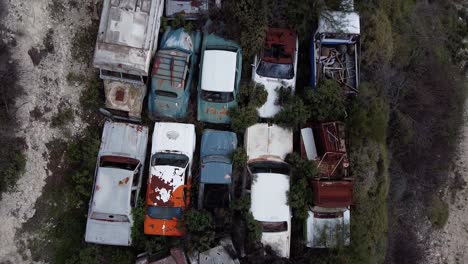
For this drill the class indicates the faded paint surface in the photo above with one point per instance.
(218, 70)
(166, 185)
(189, 9)
(268, 142)
(127, 37)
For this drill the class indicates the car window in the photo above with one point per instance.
(166, 94)
(118, 162)
(167, 213)
(217, 97)
(109, 217)
(169, 159)
(269, 167)
(274, 226)
(275, 70)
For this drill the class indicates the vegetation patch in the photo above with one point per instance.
(62, 118)
(200, 227)
(439, 212)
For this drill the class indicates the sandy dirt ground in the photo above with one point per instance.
(47, 92)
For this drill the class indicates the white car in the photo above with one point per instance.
(268, 183)
(275, 67)
(170, 178)
(117, 183)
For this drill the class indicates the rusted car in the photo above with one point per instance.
(173, 72)
(117, 183)
(220, 73)
(335, 49)
(170, 178)
(268, 182)
(276, 67)
(328, 223)
(189, 9)
(126, 42)
(216, 184)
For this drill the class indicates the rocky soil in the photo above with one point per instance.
(43, 31)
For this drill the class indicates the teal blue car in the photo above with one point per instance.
(172, 74)
(220, 74)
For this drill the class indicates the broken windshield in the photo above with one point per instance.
(169, 159)
(275, 70)
(167, 213)
(217, 97)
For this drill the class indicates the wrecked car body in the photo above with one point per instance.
(215, 191)
(170, 178)
(276, 67)
(335, 50)
(224, 253)
(328, 222)
(117, 183)
(268, 183)
(172, 74)
(220, 73)
(126, 42)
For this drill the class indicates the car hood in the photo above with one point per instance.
(216, 172)
(278, 241)
(328, 232)
(108, 233)
(214, 112)
(169, 107)
(163, 186)
(270, 108)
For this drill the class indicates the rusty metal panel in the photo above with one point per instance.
(125, 97)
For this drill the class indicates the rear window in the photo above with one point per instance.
(167, 213)
(274, 226)
(118, 162)
(109, 217)
(169, 159)
(217, 97)
(269, 167)
(166, 94)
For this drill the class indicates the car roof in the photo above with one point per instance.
(112, 191)
(175, 137)
(169, 70)
(279, 46)
(268, 142)
(215, 142)
(219, 70)
(124, 139)
(269, 197)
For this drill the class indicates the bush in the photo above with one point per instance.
(439, 212)
(83, 42)
(284, 95)
(327, 102)
(12, 162)
(200, 227)
(253, 227)
(251, 94)
(293, 114)
(239, 158)
(62, 118)
(242, 118)
(378, 46)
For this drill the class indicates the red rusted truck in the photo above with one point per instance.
(329, 216)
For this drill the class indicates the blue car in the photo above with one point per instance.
(215, 190)
(172, 74)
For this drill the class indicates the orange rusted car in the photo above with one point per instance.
(170, 178)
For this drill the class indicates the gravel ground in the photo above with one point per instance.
(43, 30)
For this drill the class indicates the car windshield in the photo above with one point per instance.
(269, 167)
(167, 213)
(217, 97)
(118, 162)
(274, 226)
(216, 196)
(169, 159)
(275, 70)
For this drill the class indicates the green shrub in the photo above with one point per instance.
(293, 114)
(284, 95)
(62, 118)
(200, 226)
(242, 118)
(239, 158)
(83, 42)
(327, 102)
(378, 46)
(254, 228)
(12, 162)
(439, 212)
(251, 94)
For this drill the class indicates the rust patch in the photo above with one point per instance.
(97, 188)
(120, 95)
(154, 193)
(124, 181)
